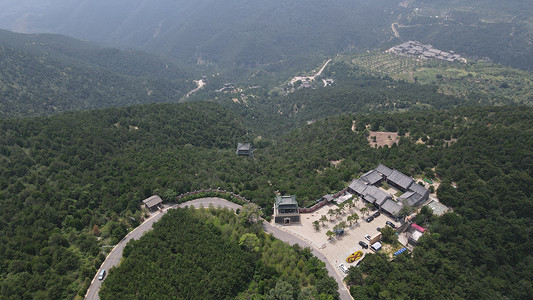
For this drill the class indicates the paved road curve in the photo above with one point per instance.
(292, 239)
(114, 257)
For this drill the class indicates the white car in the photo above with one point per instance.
(343, 268)
(367, 237)
(101, 275)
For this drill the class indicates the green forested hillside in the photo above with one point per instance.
(71, 178)
(77, 52)
(47, 74)
(353, 92)
(171, 262)
(68, 179)
(217, 257)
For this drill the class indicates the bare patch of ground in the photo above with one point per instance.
(450, 142)
(420, 141)
(336, 162)
(380, 139)
(199, 85)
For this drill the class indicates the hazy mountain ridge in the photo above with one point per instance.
(250, 33)
(236, 31)
(46, 74)
(64, 48)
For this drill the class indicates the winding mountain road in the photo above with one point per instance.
(199, 85)
(312, 77)
(114, 257)
(393, 27)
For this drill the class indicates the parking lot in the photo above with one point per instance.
(339, 248)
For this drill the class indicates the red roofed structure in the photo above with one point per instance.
(418, 227)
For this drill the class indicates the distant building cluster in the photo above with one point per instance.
(228, 87)
(418, 50)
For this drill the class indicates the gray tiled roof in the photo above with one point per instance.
(370, 198)
(378, 196)
(152, 201)
(413, 199)
(286, 200)
(406, 195)
(358, 186)
(244, 146)
(385, 171)
(391, 207)
(372, 177)
(417, 188)
(400, 179)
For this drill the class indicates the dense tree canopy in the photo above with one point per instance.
(210, 260)
(68, 179)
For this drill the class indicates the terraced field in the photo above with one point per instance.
(487, 82)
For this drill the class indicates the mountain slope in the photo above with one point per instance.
(251, 33)
(67, 177)
(231, 32)
(46, 74)
(67, 49)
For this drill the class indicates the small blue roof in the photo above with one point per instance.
(400, 251)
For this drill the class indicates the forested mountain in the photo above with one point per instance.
(70, 50)
(272, 113)
(46, 74)
(73, 182)
(246, 33)
(230, 32)
(71, 178)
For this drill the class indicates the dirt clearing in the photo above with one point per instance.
(382, 138)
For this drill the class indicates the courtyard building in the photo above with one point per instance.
(368, 187)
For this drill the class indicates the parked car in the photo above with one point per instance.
(101, 275)
(363, 244)
(378, 229)
(367, 237)
(369, 219)
(343, 268)
(391, 224)
(376, 214)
